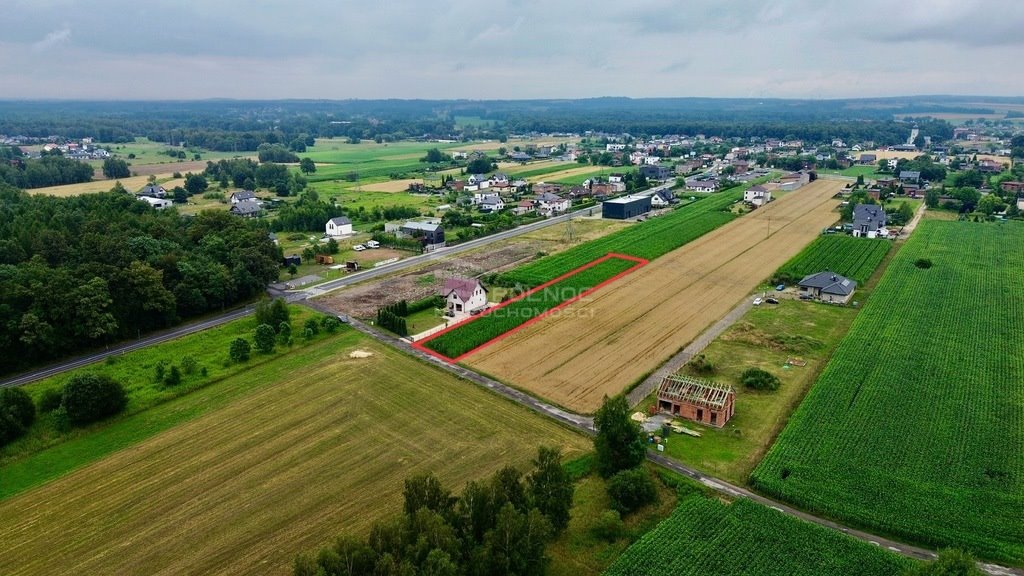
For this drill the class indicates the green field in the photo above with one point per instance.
(766, 337)
(648, 240)
(273, 461)
(705, 536)
(489, 326)
(914, 428)
(855, 258)
(47, 451)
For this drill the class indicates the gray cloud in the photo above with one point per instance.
(506, 48)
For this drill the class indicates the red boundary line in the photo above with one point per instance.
(640, 262)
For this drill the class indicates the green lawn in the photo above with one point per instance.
(766, 337)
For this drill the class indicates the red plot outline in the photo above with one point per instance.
(640, 262)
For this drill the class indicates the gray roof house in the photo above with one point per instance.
(868, 219)
(242, 195)
(246, 209)
(910, 175)
(153, 191)
(828, 287)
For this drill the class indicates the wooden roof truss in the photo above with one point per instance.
(695, 391)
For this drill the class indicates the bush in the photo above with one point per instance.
(701, 365)
(240, 349)
(923, 263)
(329, 324)
(311, 325)
(757, 379)
(264, 338)
(608, 526)
(92, 397)
(17, 412)
(284, 333)
(173, 377)
(631, 489)
(50, 400)
(189, 365)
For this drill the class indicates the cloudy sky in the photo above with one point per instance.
(156, 49)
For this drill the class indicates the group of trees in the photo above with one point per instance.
(84, 399)
(307, 214)
(499, 526)
(49, 170)
(620, 451)
(116, 168)
(277, 153)
(81, 271)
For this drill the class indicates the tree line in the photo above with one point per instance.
(49, 170)
(82, 271)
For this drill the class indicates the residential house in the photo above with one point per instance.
(1015, 187)
(602, 190)
(431, 233)
(243, 196)
(616, 177)
(491, 204)
(868, 158)
(464, 295)
(523, 207)
(245, 209)
(703, 185)
(656, 172)
(828, 287)
(989, 166)
(757, 195)
(153, 191)
(550, 204)
(910, 176)
(663, 198)
(481, 181)
(545, 188)
(579, 192)
(480, 195)
(519, 157)
(1020, 203)
(157, 203)
(340, 226)
(868, 220)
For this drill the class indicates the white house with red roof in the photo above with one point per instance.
(464, 295)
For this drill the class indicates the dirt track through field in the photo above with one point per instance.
(604, 343)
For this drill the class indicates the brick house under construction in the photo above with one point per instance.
(702, 401)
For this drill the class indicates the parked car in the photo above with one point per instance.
(359, 247)
(780, 287)
(806, 297)
(757, 301)
(372, 244)
(771, 300)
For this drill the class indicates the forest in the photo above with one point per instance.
(79, 272)
(49, 170)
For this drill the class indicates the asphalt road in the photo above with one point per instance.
(157, 338)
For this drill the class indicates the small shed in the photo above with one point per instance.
(340, 226)
(699, 400)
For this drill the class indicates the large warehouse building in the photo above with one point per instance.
(626, 207)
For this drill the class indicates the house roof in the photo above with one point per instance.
(548, 197)
(492, 200)
(695, 391)
(340, 221)
(463, 287)
(829, 283)
(425, 226)
(865, 213)
(245, 207)
(757, 188)
(153, 190)
(911, 174)
(244, 195)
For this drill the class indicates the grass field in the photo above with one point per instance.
(47, 452)
(707, 536)
(765, 337)
(854, 258)
(617, 336)
(914, 428)
(302, 450)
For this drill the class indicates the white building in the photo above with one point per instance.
(757, 195)
(158, 203)
(340, 226)
(464, 295)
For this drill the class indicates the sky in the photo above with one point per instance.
(508, 49)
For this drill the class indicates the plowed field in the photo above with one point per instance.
(618, 335)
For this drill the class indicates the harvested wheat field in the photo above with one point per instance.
(132, 184)
(563, 174)
(321, 447)
(604, 343)
(391, 185)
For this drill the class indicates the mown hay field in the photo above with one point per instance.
(320, 451)
(916, 426)
(602, 344)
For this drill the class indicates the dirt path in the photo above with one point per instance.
(619, 335)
